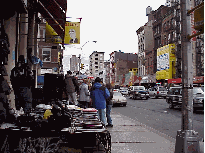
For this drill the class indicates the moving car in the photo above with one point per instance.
(138, 92)
(158, 91)
(124, 91)
(174, 97)
(119, 99)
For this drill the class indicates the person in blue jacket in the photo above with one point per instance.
(99, 94)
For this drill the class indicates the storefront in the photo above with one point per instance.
(199, 80)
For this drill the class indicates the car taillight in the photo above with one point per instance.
(157, 92)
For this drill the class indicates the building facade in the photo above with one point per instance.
(166, 25)
(21, 25)
(74, 63)
(145, 49)
(96, 66)
(120, 63)
(50, 54)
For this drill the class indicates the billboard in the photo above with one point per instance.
(165, 62)
(72, 33)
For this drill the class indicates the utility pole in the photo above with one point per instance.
(187, 140)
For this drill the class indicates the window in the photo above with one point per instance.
(96, 62)
(96, 54)
(46, 54)
(44, 35)
(96, 58)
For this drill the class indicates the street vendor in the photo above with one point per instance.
(22, 80)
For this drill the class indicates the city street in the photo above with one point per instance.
(155, 114)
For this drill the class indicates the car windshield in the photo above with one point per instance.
(176, 91)
(140, 88)
(117, 94)
(197, 90)
(162, 89)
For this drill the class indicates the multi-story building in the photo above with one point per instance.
(120, 63)
(74, 63)
(107, 71)
(166, 26)
(49, 53)
(145, 49)
(96, 65)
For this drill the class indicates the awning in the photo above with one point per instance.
(198, 79)
(179, 80)
(54, 11)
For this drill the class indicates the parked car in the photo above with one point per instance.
(174, 97)
(158, 91)
(124, 91)
(138, 92)
(202, 88)
(198, 99)
(119, 99)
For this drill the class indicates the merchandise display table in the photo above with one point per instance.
(84, 133)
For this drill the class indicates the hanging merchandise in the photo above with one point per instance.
(4, 45)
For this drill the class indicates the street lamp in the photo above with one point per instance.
(80, 54)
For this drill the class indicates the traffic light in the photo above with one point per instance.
(82, 66)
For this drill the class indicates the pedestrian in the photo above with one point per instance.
(84, 94)
(109, 106)
(22, 81)
(99, 94)
(71, 86)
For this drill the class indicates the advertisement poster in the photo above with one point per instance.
(165, 61)
(72, 33)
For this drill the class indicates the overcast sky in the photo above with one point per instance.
(112, 23)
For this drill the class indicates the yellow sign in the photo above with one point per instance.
(165, 62)
(72, 33)
(51, 35)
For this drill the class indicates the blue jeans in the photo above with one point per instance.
(108, 110)
(102, 116)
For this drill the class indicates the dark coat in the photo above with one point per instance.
(71, 84)
(109, 100)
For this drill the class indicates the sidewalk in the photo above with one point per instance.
(129, 136)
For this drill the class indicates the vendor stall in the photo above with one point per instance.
(55, 128)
